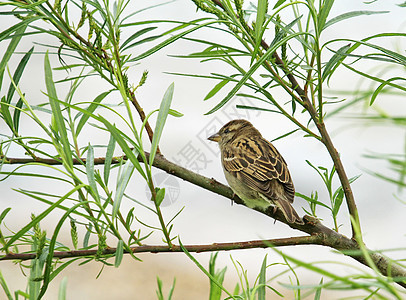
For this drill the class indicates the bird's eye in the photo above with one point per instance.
(226, 131)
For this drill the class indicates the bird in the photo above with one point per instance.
(254, 169)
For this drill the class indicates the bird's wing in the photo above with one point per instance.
(258, 164)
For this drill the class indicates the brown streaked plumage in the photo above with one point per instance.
(254, 169)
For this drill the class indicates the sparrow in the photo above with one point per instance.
(254, 169)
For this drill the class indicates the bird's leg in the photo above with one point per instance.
(275, 208)
(232, 199)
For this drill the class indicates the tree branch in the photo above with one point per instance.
(292, 241)
(319, 234)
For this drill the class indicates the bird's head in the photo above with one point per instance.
(233, 129)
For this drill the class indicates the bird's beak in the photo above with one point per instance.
(215, 137)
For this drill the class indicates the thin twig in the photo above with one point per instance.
(302, 240)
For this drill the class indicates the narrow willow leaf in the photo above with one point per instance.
(135, 35)
(17, 114)
(279, 3)
(5, 112)
(352, 14)
(338, 200)
(18, 73)
(171, 40)
(262, 281)
(90, 172)
(323, 14)
(57, 113)
(122, 182)
(49, 258)
(216, 89)
(90, 109)
(159, 292)
(317, 295)
(62, 289)
(175, 113)
(335, 61)
(215, 291)
(119, 254)
(109, 156)
(210, 276)
(247, 75)
(160, 122)
(4, 213)
(130, 217)
(262, 9)
(19, 31)
(118, 136)
(160, 195)
(381, 87)
(311, 200)
(6, 290)
(172, 289)
(87, 235)
(74, 233)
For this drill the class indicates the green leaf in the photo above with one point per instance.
(160, 195)
(122, 182)
(118, 136)
(135, 35)
(171, 40)
(335, 61)
(323, 14)
(275, 45)
(52, 243)
(216, 89)
(109, 156)
(87, 235)
(311, 200)
(352, 14)
(160, 122)
(338, 200)
(215, 290)
(381, 87)
(17, 113)
(317, 295)
(5, 112)
(19, 31)
(90, 109)
(56, 113)
(90, 172)
(62, 289)
(215, 280)
(262, 9)
(18, 73)
(175, 113)
(3, 284)
(159, 292)
(172, 289)
(119, 254)
(262, 281)
(279, 3)
(4, 213)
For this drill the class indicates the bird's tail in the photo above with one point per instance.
(288, 211)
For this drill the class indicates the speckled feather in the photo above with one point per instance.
(254, 168)
(256, 162)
